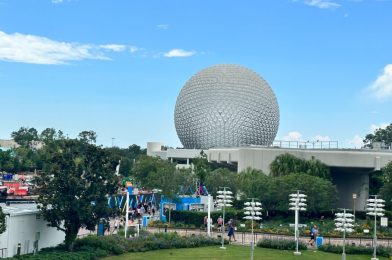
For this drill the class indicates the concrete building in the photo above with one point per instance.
(7, 144)
(27, 229)
(350, 168)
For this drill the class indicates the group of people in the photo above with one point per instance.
(141, 209)
(230, 224)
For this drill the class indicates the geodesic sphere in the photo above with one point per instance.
(226, 106)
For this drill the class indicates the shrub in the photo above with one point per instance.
(93, 247)
(281, 244)
(197, 218)
(358, 250)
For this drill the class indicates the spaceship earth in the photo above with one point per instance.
(226, 106)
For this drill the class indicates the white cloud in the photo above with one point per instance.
(57, 1)
(113, 47)
(28, 48)
(179, 53)
(355, 142)
(163, 26)
(374, 127)
(293, 136)
(381, 88)
(133, 49)
(322, 4)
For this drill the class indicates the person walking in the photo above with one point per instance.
(313, 235)
(220, 223)
(231, 230)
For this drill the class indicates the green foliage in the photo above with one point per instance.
(221, 178)
(3, 225)
(25, 136)
(274, 192)
(322, 194)
(73, 187)
(155, 173)
(201, 167)
(281, 244)
(197, 218)
(88, 137)
(6, 161)
(357, 250)
(386, 189)
(380, 135)
(93, 247)
(286, 164)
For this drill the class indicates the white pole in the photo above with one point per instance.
(296, 224)
(252, 214)
(223, 224)
(126, 214)
(209, 215)
(375, 229)
(344, 235)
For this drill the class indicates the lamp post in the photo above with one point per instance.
(344, 223)
(252, 212)
(224, 200)
(375, 208)
(354, 199)
(297, 203)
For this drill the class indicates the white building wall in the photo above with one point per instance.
(23, 229)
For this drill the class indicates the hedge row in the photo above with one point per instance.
(357, 250)
(93, 247)
(281, 244)
(197, 218)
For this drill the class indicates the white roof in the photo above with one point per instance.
(17, 209)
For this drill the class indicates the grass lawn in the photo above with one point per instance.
(233, 252)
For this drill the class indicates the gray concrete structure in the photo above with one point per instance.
(350, 168)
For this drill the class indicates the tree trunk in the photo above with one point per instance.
(70, 237)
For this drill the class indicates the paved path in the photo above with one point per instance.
(244, 238)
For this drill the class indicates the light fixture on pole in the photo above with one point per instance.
(225, 199)
(344, 222)
(297, 203)
(252, 212)
(375, 208)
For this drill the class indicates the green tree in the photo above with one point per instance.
(49, 135)
(25, 136)
(88, 137)
(201, 166)
(386, 189)
(380, 135)
(74, 186)
(286, 164)
(6, 161)
(322, 194)
(3, 224)
(254, 183)
(221, 178)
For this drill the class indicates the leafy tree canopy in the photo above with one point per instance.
(3, 225)
(286, 164)
(74, 186)
(201, 166)
(386, 189)
(274, 192)
(25, 136)
(380, 135)
(221, 178)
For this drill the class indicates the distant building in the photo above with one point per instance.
(7, 144)
(27, 230)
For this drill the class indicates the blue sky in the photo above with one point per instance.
(116, 67)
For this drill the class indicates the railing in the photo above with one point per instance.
(306, 145)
